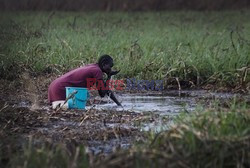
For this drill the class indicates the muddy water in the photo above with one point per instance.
(157, 104)
(168, 103)
(104, 126)
(164, 105)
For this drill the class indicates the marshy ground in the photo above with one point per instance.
(104, 130)
(187, 50)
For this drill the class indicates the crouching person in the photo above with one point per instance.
(78, 78)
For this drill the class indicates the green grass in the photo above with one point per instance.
(202, 47)
(213, 137)
(46, 156)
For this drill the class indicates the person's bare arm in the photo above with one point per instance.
(103, 92)
(112, 96)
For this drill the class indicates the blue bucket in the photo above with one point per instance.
(77, 97)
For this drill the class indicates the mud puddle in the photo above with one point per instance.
(102, 127)
(166, 105)
(163, 105)
(101, 131)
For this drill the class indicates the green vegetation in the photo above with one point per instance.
(214, 137)
(200, 47)
(193, 48)
(45, 156)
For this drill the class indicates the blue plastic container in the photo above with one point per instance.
(77, 97)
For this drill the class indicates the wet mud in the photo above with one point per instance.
(99, 130)
(102, 127)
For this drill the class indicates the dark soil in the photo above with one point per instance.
(25, 114)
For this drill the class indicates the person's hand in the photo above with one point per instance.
(113, 73)
(120, 108)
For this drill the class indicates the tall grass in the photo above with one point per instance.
(214, 137)
(127, 5)
(201, 47)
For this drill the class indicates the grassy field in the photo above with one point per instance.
(196, 47)
(193, 48)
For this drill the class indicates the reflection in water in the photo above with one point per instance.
(168, 103)
(164, 105)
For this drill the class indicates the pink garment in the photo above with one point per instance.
(75, 78)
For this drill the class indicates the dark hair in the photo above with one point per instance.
(104, 59)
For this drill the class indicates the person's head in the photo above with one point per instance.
(105, 62)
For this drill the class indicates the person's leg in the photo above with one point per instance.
(59, 104)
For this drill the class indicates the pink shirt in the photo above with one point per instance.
(75, 78)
